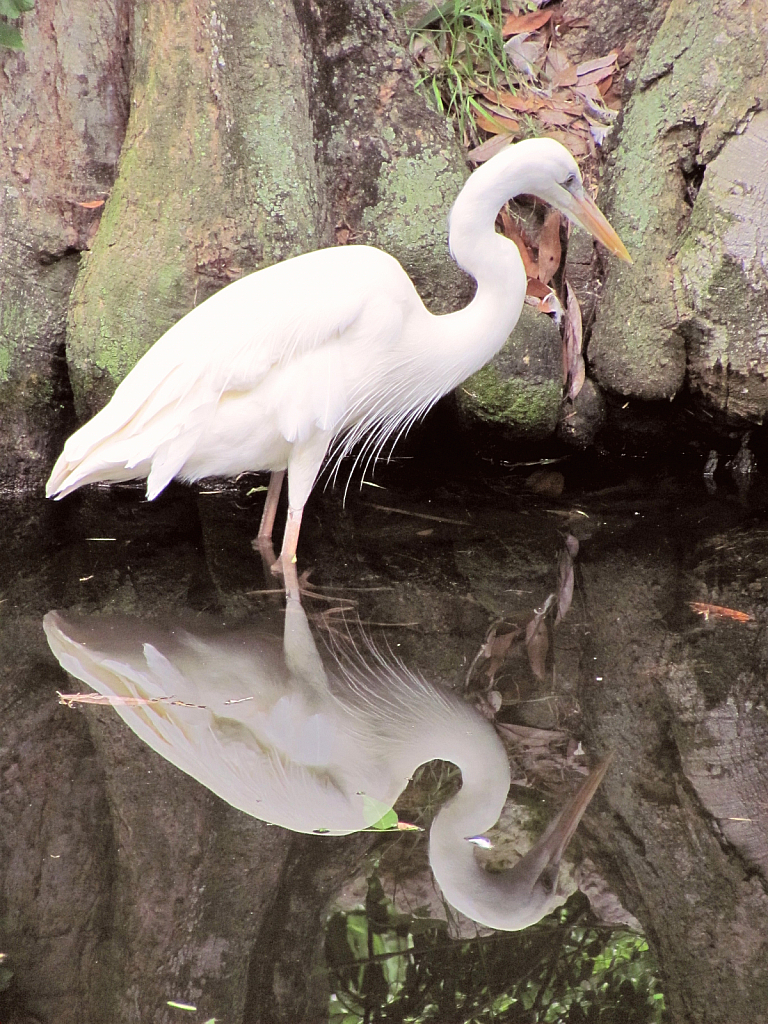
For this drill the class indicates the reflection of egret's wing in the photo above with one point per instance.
(283, 739)
(272, 754)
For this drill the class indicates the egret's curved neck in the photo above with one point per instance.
(474, 334)
(474, 747)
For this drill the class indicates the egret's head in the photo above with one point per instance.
(562, 187)
(544, 168)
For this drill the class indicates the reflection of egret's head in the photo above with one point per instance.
(273, 732)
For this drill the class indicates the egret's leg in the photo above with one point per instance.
(304, 464)
(290, 538)
(270, 505)
(290, 579)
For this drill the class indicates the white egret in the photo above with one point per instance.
(278, 736)
(332, 346)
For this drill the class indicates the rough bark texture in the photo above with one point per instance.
(723, 277)
(703, 77)
(255, 132)
(672, 698)
(63, 107)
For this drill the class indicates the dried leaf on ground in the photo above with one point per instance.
(92, 204)
(489, 148)
(537, 639)
(588, 66)
(566, 76)
(496, 124)
(525, 56)
(564, 587)
(557, 118)
(514, 101)
(537, 645)
(550, 251)
(516, 23)
(595, 77)
(575, 143)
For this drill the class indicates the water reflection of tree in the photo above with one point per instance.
(388, 966)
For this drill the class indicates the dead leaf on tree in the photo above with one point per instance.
(574, 370)
(550, 252)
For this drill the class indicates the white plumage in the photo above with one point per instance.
(278, 735)
(332, 346)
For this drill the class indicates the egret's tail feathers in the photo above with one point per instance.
(131, 440)
(68, 476)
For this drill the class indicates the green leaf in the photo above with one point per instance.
(15, 8)
(10, 37)
(386, 822)
(380, 816)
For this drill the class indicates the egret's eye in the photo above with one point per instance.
(571, 180)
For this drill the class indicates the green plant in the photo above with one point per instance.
(11, 10)
(387, 966)
(461, 49)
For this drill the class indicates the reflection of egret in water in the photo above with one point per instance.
(279, 736)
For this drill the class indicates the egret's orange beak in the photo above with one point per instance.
(584, 212)
(552, 844)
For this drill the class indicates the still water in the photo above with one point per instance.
(213, 840)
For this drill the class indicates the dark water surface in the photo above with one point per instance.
(131, 881)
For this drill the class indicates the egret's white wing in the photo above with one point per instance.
(265, 321)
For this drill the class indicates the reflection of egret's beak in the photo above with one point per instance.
(550, 848)
(585, 213)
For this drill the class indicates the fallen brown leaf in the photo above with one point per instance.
(489, 148)
(92, 204)
(566, 76)
(600, 62)
(595, 76)
(537, 645)
(555, 117)
(516, 23)
(514, 101)
(495, 124)
(537, 288)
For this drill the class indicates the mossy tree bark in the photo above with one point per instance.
(255, 132)
(246, 133)
(686, 194)
(63, 109)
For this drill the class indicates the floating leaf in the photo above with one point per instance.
(717, 611)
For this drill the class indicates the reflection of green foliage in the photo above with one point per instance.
(386, 966)
(10, 35)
